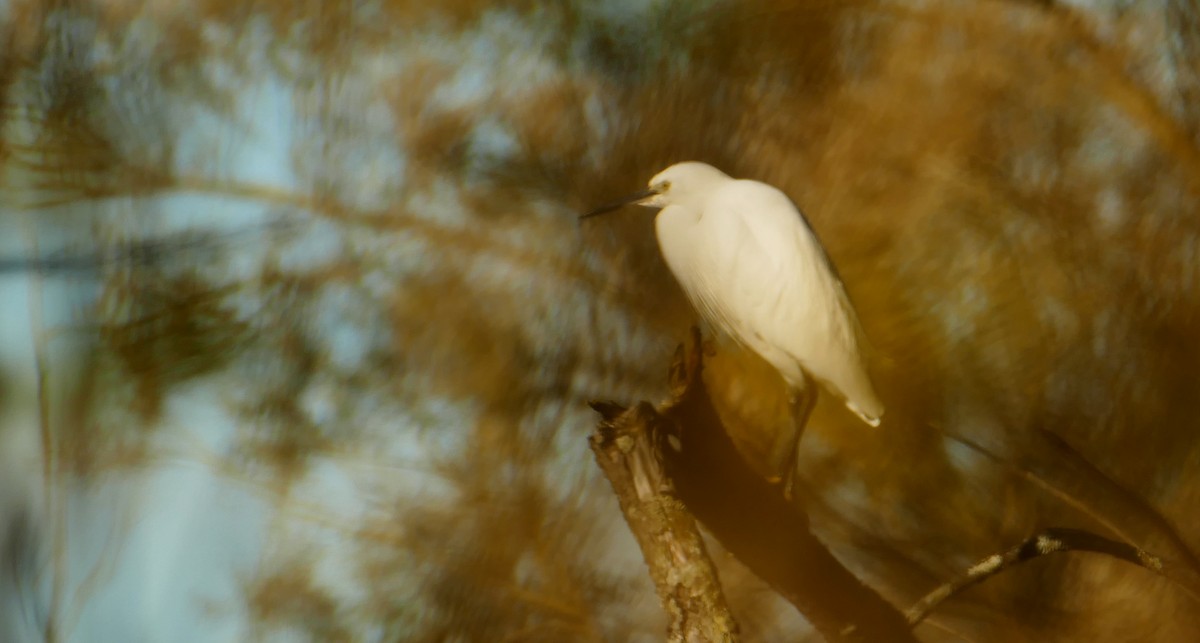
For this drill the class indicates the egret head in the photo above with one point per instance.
(681, 184)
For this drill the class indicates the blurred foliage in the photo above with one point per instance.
(1008, 189)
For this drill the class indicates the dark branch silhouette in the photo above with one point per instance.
(750, 516)
(139, 253)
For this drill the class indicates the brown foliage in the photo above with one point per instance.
(1007, 188)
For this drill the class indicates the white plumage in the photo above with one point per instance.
(755, 270)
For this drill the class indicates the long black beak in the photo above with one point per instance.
(619, 203)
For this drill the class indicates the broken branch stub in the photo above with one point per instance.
(626, 449)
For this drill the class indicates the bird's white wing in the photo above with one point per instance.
(789, 240)
(762, 276)
(771, 273)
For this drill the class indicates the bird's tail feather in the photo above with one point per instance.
(872, 420)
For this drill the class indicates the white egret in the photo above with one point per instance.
(752, 266)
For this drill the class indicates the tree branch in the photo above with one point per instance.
(753, 521)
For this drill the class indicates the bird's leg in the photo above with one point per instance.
(802, 403)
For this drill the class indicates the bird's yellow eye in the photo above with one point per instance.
(664, 186)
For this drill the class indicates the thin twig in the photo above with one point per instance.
(1047, 542)
(55, 500)
(1179, 563)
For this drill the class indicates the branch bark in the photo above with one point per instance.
(626, 450)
